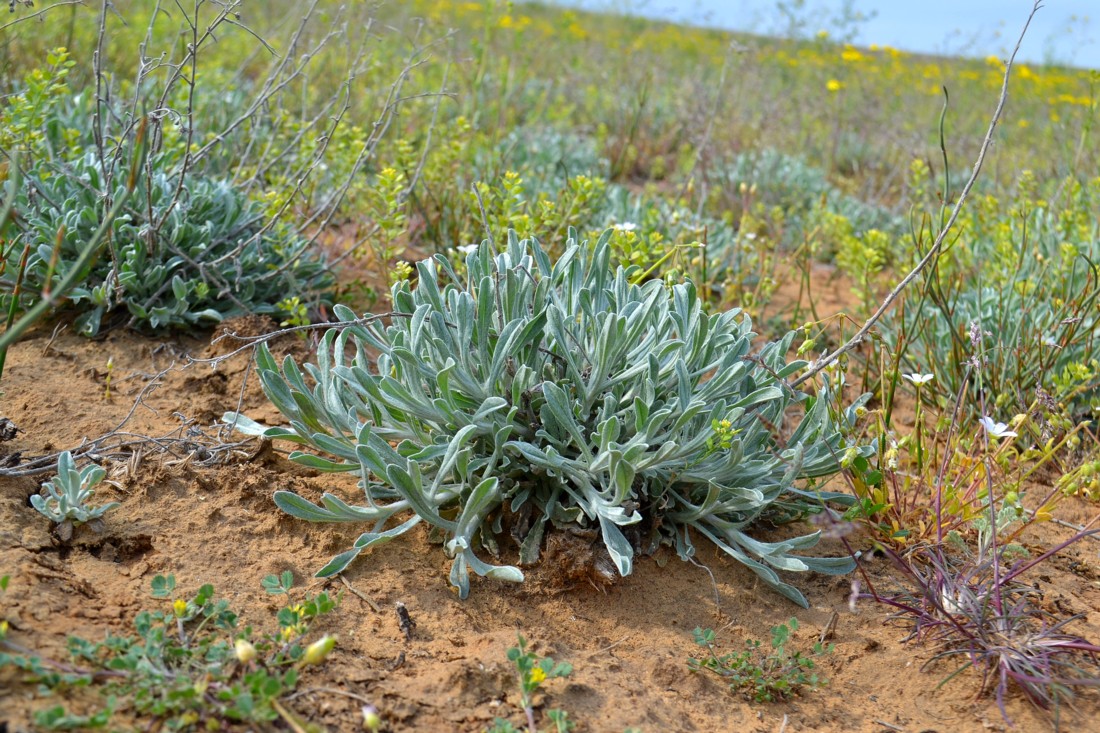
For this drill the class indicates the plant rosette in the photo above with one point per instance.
(557, 393)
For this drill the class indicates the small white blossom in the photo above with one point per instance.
(996, 429)
(467, 248)
(919, 379)
(626, 226)
(371, 719)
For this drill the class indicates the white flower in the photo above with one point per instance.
(371, 719)
(626, 226)
(996, 429)
(919, 379)
(853, 597)
(467, 248)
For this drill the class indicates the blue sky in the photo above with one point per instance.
(1064, 31)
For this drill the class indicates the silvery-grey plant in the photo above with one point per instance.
(65, 497)
(526, 393)
(216, 257)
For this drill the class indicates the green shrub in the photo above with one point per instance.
(1019, 293)
(213, 257)
(801, 191)
(547, 155)
(188, 248)
(529, 393)
(761, 675)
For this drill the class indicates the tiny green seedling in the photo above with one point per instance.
(3, 622)
(64, 501)
(760, 675)
(532, 672)
(107, 379)
(279, 584)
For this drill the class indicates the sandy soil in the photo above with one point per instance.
(628, 643)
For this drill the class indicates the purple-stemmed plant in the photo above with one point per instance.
(965, 597)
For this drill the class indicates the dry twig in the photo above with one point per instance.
(933, 253)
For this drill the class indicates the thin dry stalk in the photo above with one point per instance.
(933, 253)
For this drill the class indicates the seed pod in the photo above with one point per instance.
(319, 650)
(245, 651)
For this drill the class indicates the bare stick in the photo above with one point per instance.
(933, 253)
(254, 341)
(719, 96)
(361, 595)
(269, 89)
(188, 442)
(330, 691)
(47, 9)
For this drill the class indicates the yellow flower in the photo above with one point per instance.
(179, 606)
(833, 85)
(537, 675)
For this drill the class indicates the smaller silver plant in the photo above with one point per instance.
(64, 499)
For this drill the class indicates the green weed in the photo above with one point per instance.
(763, 675)
(187, 667)
(532, 672)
